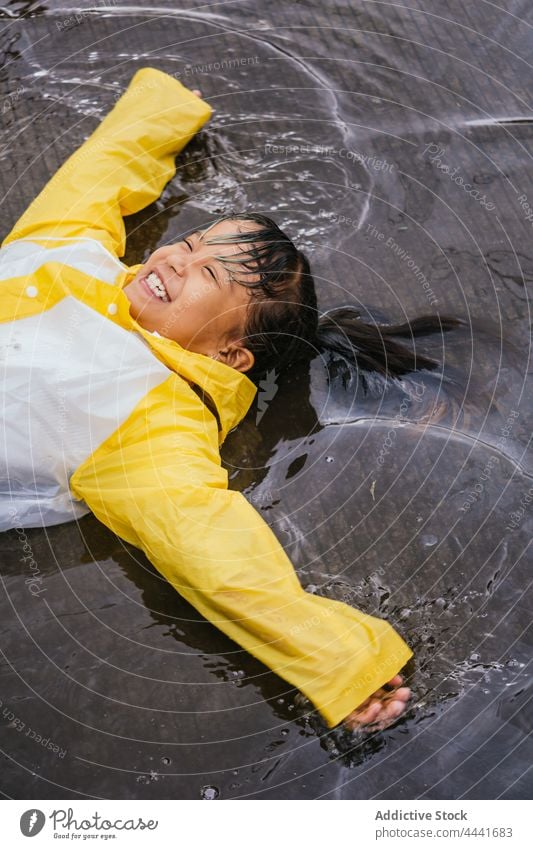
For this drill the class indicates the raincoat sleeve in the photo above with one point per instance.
(170, 498)
(121, 168)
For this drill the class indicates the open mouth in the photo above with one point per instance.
(156, 286)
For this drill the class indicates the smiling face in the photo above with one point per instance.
(184, 293)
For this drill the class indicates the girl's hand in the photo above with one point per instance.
(381, 709)
(197, 92)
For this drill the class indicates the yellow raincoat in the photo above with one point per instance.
(100, 415)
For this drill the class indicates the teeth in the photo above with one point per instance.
(157, 287)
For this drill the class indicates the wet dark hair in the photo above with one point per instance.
(283, 325)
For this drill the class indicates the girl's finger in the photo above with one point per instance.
(402, 694)
(369, 715)
(395, 709)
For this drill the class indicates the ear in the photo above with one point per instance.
(237, 356)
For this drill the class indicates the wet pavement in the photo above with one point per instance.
(393, 144)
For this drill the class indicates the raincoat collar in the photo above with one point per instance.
(230, 391)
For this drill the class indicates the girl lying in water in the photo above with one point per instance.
(121, 383)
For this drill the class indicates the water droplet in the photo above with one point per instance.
(428, 540)
(209, 791)
(284, 731)
(329, 459)
(166, 761)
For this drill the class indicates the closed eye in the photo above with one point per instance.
(213, 275)
(188, 243)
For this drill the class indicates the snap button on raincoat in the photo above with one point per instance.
(100, 415)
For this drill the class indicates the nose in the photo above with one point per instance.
(181, 257)
(178, 262)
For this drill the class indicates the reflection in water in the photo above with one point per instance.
(407, 499)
